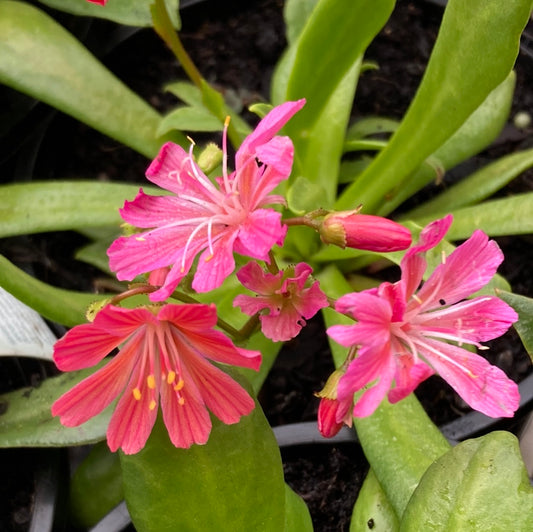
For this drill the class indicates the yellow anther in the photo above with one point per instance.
(181, 401)
(207, 259)
(137, 394)
(140, 239)
(171, 377)
(179, 386)
(417, 299)
(152, 404)
(151, 381)
(227, 121)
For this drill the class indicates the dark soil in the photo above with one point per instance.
(236, 47)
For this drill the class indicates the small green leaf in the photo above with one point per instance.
(371, 125)
(189, 119)
(304, 196)
(186, 92)
(40, 58)
(481, 484)
(95, 487)
(233, 482)
(26, 420)
(524, 307)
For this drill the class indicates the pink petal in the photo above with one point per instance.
(474, 320)
(329, 411)
(193, 317)
(253, 277)
(310, 301)
(154, 211)
(84, 346)
(213, 268)
(431, 235)
(484, 387)
(407, 380)
(171, 160)
(222, 395)
(186, 423)
(133, 419)
(89, 397)
(277, 153)
(123, 322)
(470, 267)
(283, 326)
(258, 234)
(266, 129)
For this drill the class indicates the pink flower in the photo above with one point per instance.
(287, 296)
(162, 359)
(364, 231)
(100, 2)
(404, 336)
(201, 217)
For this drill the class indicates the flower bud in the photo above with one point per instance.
(364, 231)
(210, 158)
(332, 414)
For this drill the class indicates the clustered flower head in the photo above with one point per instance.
(403, 333)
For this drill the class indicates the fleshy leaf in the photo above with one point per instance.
(40, 58)
(189, 119)
(27, 421)
(233, 482)
(524, 326)
(481, 484)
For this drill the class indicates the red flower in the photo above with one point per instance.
(162, 359)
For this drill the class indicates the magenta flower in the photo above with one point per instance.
(215, 220)
(364, 231)
(288, 296)
(405, 335)
(162, 359)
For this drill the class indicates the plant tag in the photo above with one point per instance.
(23, 332)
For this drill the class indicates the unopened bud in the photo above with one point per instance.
(364, 231)
(210, 158)
(332, 414)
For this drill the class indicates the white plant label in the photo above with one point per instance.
(23, 332)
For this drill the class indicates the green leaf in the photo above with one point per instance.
(326, 76)
(372, 509)
(480, 129)
(297, 517)
(524, 307)
(481, 484)
(56, 304)
(128, 12)
(503, 216)
(233, 482)
(26, 420)
(478, 186)
(296, 13)
(371, 125)
(475, 50)
(189, 119)
(62, 205)
(40, 58)
(95, 487)
(186, 92)
(303, 196)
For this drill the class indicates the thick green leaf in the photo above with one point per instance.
(481, 484)
(296, 13)
(26, 420)
(524, 307)
(475, 51)
(40, 58)
(63, 205)
(326, 76)
(372, 510)
(128, 12)
(503, 216)
(95, 487)
(56, 304)
(480, 129)
(371, 125)
(233, 482)
(297, 517)
(189, 119)
(478, 186)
